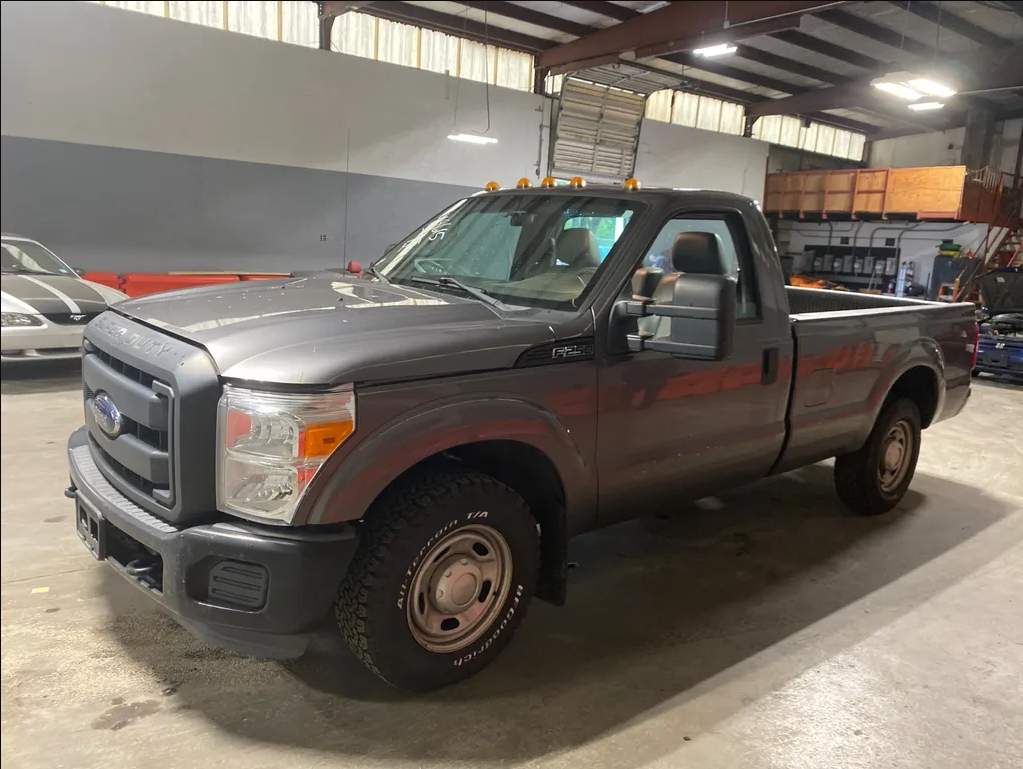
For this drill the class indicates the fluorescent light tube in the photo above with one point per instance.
(923, 106)
(931, 88)
(716, 50)
(896, 89)
(472, 138)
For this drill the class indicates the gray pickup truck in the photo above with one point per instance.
(412, 446)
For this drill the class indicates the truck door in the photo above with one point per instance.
(672, 428)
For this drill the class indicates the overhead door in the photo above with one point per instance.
(598, 120)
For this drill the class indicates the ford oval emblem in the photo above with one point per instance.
(108, 417)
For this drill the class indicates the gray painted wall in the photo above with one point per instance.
(103, 208)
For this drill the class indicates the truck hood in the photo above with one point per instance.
(1002, 290)
(332, 330)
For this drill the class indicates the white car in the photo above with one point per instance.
(45, 303)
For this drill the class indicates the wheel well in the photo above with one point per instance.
(919, 385)
(531, 474)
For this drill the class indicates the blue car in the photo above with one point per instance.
(1000, 350)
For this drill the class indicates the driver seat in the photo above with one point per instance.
(693, 253)
(577, 247)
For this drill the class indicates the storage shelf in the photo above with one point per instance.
(930, 193)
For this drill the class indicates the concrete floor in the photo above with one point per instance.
(764, 629)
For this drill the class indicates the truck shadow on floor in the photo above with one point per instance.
(661, 610)
(42, 377)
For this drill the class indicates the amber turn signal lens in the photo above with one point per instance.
(577, 183)
(320, 440)
(524, 183)
(631, 185)
(549, 182)
(492, 187)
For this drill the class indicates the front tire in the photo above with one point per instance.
(874, 479)
(446, 567)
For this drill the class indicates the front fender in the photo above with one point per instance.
(349, 483)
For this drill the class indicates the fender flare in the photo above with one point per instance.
(351, 481)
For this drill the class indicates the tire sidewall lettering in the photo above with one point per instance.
(513, 607)
(447, 528)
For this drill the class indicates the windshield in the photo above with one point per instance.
(528, 250)
(26, 256)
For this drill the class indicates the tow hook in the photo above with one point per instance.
(70, 491)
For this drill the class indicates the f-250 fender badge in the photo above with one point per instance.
(572, 351)
(568, 351)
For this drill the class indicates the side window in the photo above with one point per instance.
(733, 247)
(606, 229)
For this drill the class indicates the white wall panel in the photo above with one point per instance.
(676, 156)
(83, 73)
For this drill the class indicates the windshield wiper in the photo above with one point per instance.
(375, 272)
(447, 280)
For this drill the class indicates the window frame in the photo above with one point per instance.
(736, 224)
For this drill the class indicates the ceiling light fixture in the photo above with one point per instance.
(897, 89)
(923, 106)
(910, 86)
(472, 138)
(716, 50)
(931, 88)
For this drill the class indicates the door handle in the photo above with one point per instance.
(769, 366)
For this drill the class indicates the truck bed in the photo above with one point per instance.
(850, 348)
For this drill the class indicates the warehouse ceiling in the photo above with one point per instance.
(813, 59)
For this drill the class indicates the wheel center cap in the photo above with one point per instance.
(457, 585)
(893, 456)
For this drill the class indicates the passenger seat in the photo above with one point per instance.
(695, 253)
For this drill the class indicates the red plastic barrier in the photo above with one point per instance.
(108, 279)
(140, 284)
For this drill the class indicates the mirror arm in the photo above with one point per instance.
(642, 307)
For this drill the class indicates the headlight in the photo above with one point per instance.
(19, 319)
(272, 444)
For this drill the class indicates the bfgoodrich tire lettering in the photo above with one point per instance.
(874, 479)
(380, 603)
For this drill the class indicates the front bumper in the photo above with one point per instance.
(50, 341)
(253, 589)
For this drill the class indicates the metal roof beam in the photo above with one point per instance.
(526, 14)
(681, 27)
(1004, 70)
(735, 73)
(948, 20)
(459, 26)
(824, 48)
(884, 35)
(330, 8)
(603, 8)
(789, 65)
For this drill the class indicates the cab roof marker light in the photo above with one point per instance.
(549, 183)
(472, 139)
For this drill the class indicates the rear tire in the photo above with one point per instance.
(447, 564)
(874, 479)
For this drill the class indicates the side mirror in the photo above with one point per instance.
(702, 313)
(78, 271)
